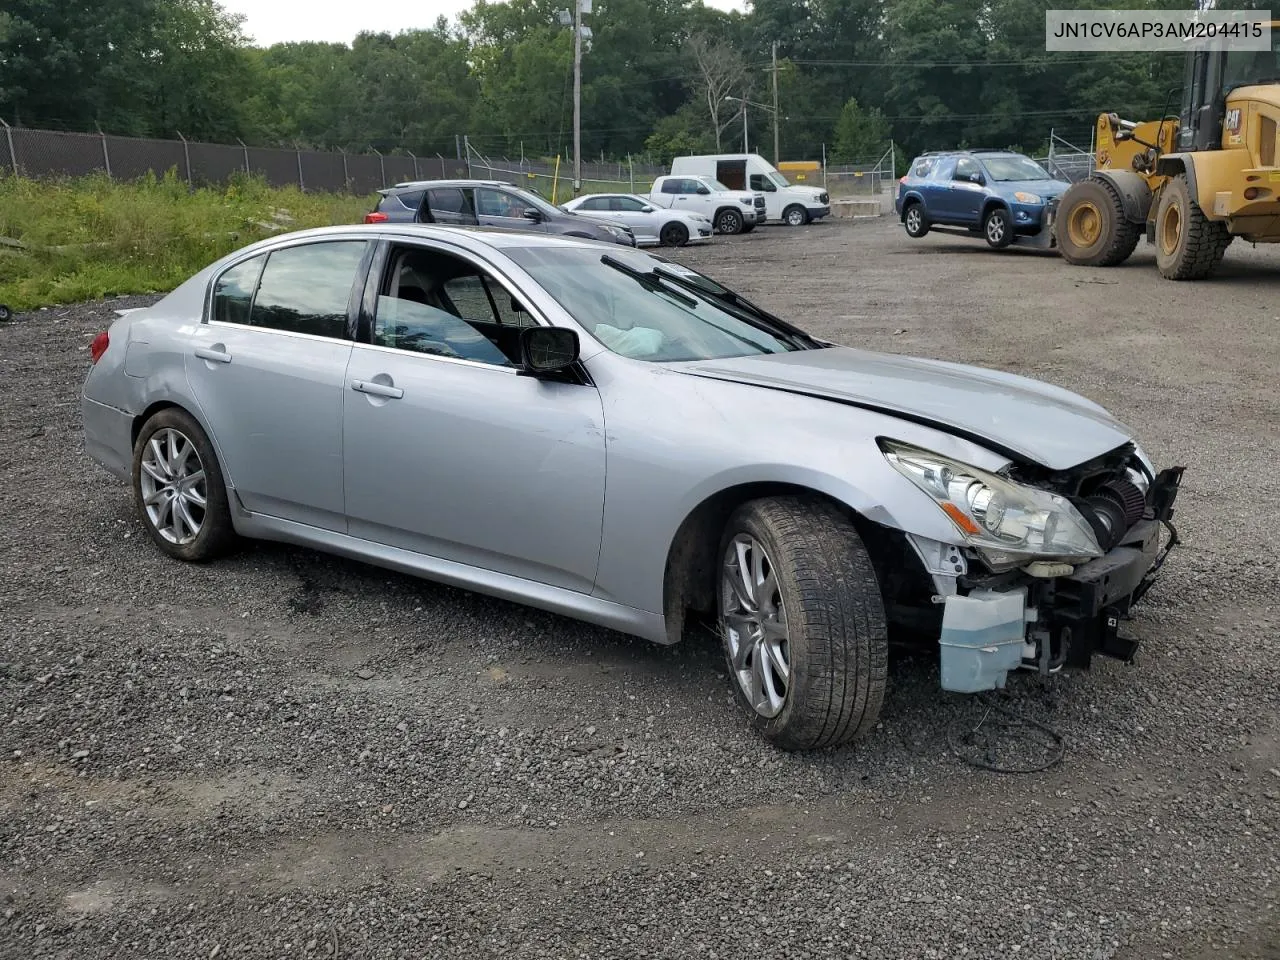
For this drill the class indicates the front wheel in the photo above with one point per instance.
(178, 488)
(674, 235)
(728, 221)
(1189, 246)
(801, 622)
(997, 228)
(795, 216)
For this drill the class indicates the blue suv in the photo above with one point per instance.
(1005, 196)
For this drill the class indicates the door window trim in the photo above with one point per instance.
(358, 283)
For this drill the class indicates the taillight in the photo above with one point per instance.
(375, 217)
(902, 179)
(99, 346)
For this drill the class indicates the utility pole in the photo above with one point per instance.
(744, 126)
(775, 104)
(577, 97)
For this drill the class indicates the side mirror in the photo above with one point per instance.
(646, 209)
(533, 213)
(704, 190)
(976, 178)
(547, 350)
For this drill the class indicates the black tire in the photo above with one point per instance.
(997, 228)
(1091, 227)
(914, 220)
(1189, 246)
(795, 216)
(5, 313)
(674, 234)
(728, 220)
(836, 637)
(216, 534)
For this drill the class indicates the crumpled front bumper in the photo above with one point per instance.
(1045, 238)
(1044, 624)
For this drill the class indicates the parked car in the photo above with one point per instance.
(1006, 196)
(651, 225)
(732, 211)
(446, 402)
(488, 203)
(784, 202)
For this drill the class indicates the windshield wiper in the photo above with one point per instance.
(758, 317)
(649, 280)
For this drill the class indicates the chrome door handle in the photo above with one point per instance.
(376, 389)
(215, 356)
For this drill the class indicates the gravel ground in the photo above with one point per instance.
(288, 755)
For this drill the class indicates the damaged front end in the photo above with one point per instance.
(1030, 609)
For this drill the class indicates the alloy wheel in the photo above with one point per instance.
(174, 489)
(754, 622)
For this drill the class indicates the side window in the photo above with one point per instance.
(233, 293)
(922, 167)
(498, 203)
(760, 182)
(671, 185)
(966, 168)
(436, 303)
(450, 205)
(627, 204)
(306, 289)
(942, 170)
(594, 203)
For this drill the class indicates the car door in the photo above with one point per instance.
(630, 210)
(694, 196)
(450, 452)
(966, 193)
(268, 368)
(772, 199)
(498, 208)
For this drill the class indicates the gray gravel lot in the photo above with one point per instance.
(288, 755)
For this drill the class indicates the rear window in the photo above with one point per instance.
(923, 166)
(402, 201)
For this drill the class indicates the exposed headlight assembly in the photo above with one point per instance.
(1009, 523)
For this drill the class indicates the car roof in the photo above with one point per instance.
(427, 184)
(969, 152)
(471, 237)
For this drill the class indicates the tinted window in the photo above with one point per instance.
(498, 203)
(306, 289)
(594, 203)
(450, 205)
(628, 203)
(233, 293)
(671, 186)
(760, 182)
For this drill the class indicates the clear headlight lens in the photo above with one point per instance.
(745, 202)
(1007, 521)
(1026, 197)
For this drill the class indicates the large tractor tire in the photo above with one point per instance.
(1189, 246)
(1091, 228)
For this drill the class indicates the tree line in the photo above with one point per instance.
(851, 74)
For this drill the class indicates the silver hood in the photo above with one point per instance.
(1014, 415)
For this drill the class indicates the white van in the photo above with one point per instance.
(784, 202)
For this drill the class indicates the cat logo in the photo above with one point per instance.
(1233, 120)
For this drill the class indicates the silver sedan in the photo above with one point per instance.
(651, 225)
(599, 432)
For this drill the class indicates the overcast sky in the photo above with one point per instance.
(277, 21)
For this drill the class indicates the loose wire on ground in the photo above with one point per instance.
(958, 738)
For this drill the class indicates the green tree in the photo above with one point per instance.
(860, 135)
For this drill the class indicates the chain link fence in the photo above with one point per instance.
(49, 153)
(1067, 161)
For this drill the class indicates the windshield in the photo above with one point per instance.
(644, 317)
(778, 179)
(1015, 168)
(1253, 66)
(537, 202)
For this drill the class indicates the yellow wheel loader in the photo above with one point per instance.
(1191, 183)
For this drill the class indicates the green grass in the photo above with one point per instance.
(93, 237)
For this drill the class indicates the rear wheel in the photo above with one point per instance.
(674, 235)
(801, 622)
(795, 216)
(5, 313)
(1189, 246)
(913, 219)
(1091, 226)
(178, 488)
(728, 220)
(997, 228)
